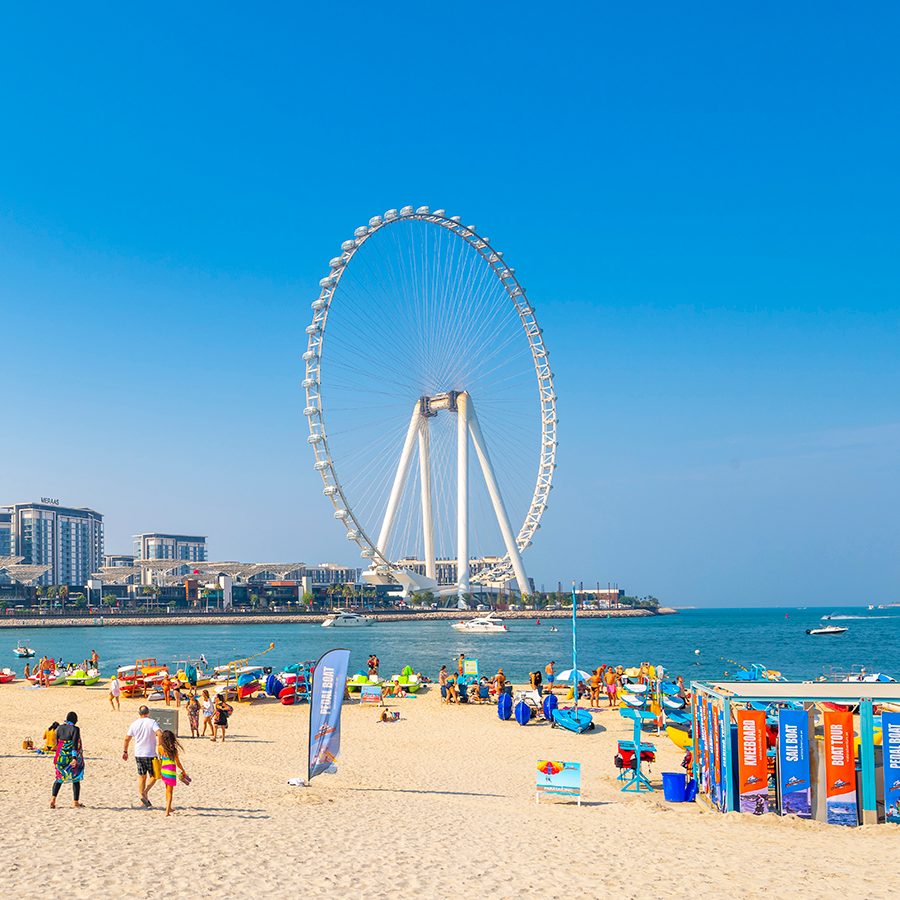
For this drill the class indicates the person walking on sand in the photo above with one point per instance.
(208, 710)
(115, 689)
(167, 689)
(193, 710)
(69, 760)
(168, 752)
(223, 710)
(143, 731)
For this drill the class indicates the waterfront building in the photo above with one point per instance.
(67, 539)
(154, 545)
(118, 560)
(332, 573)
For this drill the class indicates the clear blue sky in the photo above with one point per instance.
(701, 200)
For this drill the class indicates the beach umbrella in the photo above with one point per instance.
(567, 675)
(550, 767)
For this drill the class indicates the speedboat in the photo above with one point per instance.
(828, 629)
(488, 624)
(23, 651)
(7, 676)
(344, 619)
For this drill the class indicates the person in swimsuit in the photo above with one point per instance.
(167, 750)
(596, 681)
(499, 681)
(69, 760)
(114, 690)
(208, 710)
(220, 722)
(550, 670)
(611, 690)
(442, 681)
(193, 710)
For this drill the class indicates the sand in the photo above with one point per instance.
(439, 804)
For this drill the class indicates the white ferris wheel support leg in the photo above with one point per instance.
(497, 500)
(399, 481)
(425, 478)
(462, 494)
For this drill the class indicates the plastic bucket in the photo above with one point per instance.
(674, 787)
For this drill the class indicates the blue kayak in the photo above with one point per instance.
(576, 720)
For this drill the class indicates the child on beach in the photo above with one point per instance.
(114, 690)
(193, 710)
(168, 748)
(208, 709)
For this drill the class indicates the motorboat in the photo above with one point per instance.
(23, 651)
(828, 629)
(488, 624)
(7, 676)
(343, 619)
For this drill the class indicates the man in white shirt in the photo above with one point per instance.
(143, 730)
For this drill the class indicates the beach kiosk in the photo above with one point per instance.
(821, 750)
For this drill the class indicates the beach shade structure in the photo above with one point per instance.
(575, 720)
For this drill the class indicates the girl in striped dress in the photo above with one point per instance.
(168, 750)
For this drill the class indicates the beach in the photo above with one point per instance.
(441, 802)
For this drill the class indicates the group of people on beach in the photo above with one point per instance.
(47, 667)
(157, 753)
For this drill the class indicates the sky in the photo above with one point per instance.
(701, 201)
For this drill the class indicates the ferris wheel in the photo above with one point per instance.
(423, 344)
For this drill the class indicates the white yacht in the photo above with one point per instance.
(343, 619)
(828, 629)
(488, 624)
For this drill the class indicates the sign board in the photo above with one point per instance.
(558, 777)
(753, 775)
(470, 667)
(890, 723)
(795, 791)
(840, 769)
(370, 693)
(166, 718)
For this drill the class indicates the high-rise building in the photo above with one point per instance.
(118, 560)
(153, 545)
(68, 539)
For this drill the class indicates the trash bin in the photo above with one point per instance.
(674, 787)
(691, 791)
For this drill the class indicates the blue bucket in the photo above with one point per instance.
(674, 787)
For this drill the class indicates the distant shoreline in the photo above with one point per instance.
(241, 618)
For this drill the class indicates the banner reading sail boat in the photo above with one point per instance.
(326, 698)
(793, 763)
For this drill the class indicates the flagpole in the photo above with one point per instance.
(574, 650)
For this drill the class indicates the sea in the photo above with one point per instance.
(695, 643)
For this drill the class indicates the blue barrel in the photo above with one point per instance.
(550, 703)
(674, 787)
(691, 793)
(523, 713)
(504, 706)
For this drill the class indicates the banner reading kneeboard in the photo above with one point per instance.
(890, 742)
(840, 770)
(326, 698)
(753, 774)
(793, 763)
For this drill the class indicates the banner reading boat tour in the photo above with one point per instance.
(890, 743)
(795, 790)
(840, 770)
(329, 682)
(753, 774)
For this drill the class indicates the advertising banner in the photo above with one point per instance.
(720, 771)
(795, 789)
(890, 742)
(753, 773)
(558, 777)
(470, 667)
(329, 681)
(714, 749)
(840, 770)
(704, 740)
(370, 693)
